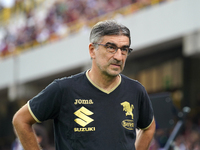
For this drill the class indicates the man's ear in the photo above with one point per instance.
(92, 50)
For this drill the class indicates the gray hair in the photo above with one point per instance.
(108, 27)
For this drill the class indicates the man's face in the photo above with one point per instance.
(108, 63)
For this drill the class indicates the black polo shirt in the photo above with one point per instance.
(88, 118)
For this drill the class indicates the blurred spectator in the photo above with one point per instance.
(42, 138)
(3, 47)
(7, 3)
(154, 145)
(196, 146)
(16, 145)
(192, 139)
(42, 34)
(179, 143)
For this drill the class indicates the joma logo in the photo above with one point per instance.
(83, 101)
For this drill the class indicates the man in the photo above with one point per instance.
(99, 109)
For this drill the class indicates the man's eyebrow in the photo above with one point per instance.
(115, 44)
(111, 43)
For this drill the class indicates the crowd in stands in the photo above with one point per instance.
(47, 23)
(188, 137)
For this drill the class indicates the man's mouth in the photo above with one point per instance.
(116, 65)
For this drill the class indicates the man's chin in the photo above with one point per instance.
(114, 73)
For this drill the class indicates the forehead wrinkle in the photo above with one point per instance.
(116, 44)
(116, 39)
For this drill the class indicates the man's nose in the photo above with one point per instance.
(118, 55)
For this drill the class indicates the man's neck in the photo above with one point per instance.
(103, 81)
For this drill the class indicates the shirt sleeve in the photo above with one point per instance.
(145, 111)
(46, 104)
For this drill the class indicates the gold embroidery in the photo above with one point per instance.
(128, 108)
(83, 101)
(128, 124)
(83, 114)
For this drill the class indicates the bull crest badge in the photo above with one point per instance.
(128, 108)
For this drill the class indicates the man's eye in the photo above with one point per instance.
(111, 47)
(125, 49)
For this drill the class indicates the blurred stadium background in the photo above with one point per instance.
(41, 40)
